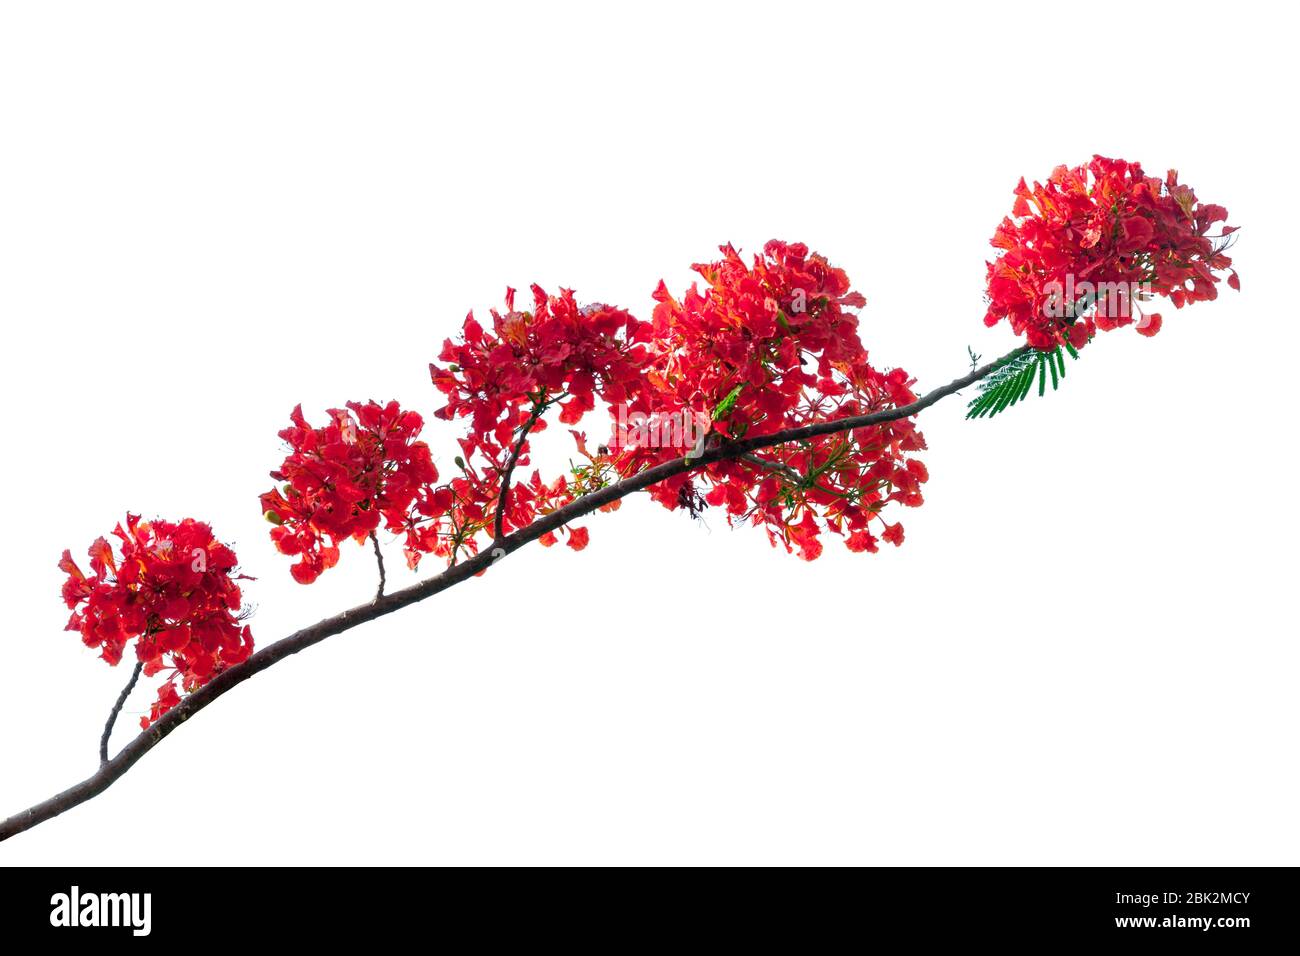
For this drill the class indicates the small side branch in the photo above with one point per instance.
(776, 466)
(539, 407)
(379, 558)
(117, 709)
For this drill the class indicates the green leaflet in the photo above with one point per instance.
(725, 406)
(1014, 381)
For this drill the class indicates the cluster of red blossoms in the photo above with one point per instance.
(1113, 232)
(172, 589)
(504, 379)
(760, 347)
(340, 481)
(768, 346)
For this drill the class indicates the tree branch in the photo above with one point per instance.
(228, 680)
(379, 557)
(117, 709)
(539, 407)
(780, 467)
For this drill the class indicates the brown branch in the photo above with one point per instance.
(780, 467)
(301, 640)
(379, 557)
(117, 709)
(539, 407)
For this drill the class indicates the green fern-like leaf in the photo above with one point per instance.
(1013, 382)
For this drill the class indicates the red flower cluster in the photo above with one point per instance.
(559, 349)
(768, 347)
(758, 349)
(1077, 251)
(173, 591)
(341, 480)
(505, 379)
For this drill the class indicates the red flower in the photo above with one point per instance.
(343, 480)
(860, 541)
(1080, 252)
(769, 346)
(504, 380)
(172, 591)
(1150, 325)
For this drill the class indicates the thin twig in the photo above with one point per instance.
(379, 557)
(539, 406)
(795, 477)
(231, 678)
(117, 709)
(776, 466)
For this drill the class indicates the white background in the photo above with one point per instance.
(1083, 654)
